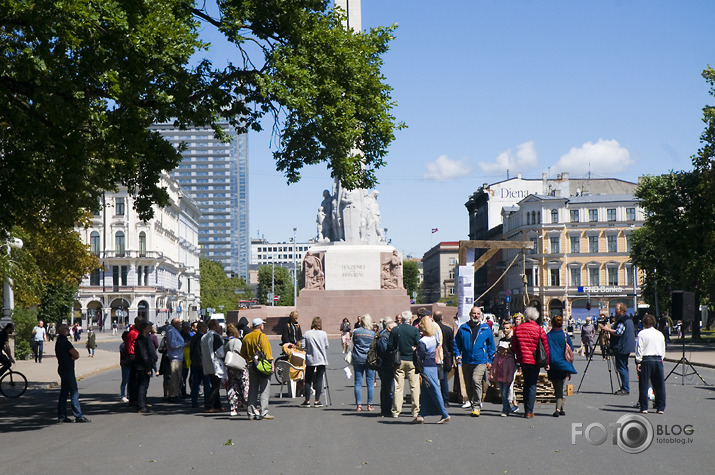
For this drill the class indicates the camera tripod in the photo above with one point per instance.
(684, 361)
(607, 356)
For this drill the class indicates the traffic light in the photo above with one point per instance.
(588, 306)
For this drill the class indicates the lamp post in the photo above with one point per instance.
(295, 271)
(273, 282)
(8, 294)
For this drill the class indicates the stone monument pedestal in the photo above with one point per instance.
(345, 280)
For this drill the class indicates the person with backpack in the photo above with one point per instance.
(363, 336)
(385, 368)
(256, 348)
(316, 356)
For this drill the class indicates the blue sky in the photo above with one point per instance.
(528, 86)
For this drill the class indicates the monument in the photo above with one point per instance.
(351, 270)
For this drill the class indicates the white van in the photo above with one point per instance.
(221, 318)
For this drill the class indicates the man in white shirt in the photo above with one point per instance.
(38, 337)
(650, 351)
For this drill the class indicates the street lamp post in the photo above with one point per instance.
(295, 271)
(8, 294)
(273, 283)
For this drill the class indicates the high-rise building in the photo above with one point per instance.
(215, 175)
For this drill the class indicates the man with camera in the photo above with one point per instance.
(623, 343)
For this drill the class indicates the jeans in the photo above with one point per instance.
(258, 389)
(444, 385)
(198, 379)
(474, 380)
(143, 379)
(37, 349)
(314, 379)
(68, 388)
(559, 393)
(369, 382)
(652, 374)
(531, 377)
(622, 370)
(214, 401)
(505, 401)
(387, 387)
(125, 380)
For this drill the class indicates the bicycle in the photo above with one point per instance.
(13, 384)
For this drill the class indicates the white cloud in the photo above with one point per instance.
(524, 159)
(445, 169)
(605, 157)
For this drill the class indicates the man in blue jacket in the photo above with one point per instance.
(474, 349)
(623, 343)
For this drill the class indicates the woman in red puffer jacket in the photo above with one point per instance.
(523, 343)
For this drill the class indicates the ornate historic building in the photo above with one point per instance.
(148, 268)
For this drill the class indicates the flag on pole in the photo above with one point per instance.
(434, 230)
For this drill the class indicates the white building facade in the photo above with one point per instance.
(149, 269)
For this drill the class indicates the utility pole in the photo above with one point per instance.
(295, 271)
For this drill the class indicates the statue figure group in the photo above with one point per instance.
(350, 216)
(392, 272)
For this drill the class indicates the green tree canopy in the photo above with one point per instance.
(219, 291)
(81, 82)
(676, 245)
(410, 276)
(282, 283)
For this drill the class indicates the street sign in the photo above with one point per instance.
(507, 293)
(507, 299)
(276, 298)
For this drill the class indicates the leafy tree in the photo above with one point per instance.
(217, 289)
(410, 276)
(24, 320)
(81, 82)
(57, 302)
(282, 284)
(676, 245)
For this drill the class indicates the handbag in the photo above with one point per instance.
(540, 354)
(235, 361)
(263, 366)
(568, 352)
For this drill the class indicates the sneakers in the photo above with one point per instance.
(267, 417)
(305, 404)
(65, 419)
(125, 399)
(318, 404)
(234, 413)
(418, 420)
(82, 419)
(645, 411)
(503, 414)
(562, 412)
(467, 405)
(621, 392)
(475, 412)
(660, 412)
(514, 409)
(556, 414)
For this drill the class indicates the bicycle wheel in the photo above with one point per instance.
(13, 384)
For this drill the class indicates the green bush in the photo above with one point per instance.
(24, 320)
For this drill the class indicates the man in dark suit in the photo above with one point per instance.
(447, 355)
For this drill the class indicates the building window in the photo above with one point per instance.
(119, 243)
(629, 276)
(593, 215)
(630, 214)
(95, 278)
(593, 244)
(611, 214)
(555, 245)
(528, 218)
(533, 217)
(142, 244)
(574, 215)
(575, 244)
(613, 276)
(452, 261)
(612, 241)
(628, 243)
(593, 276)
(450, 290)
(451, 274)
(94, 243)
(555, 277)
(576, 276)
(535, 249)
(554, 216)
(119, 206)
